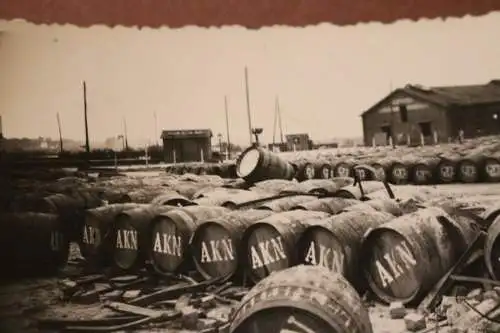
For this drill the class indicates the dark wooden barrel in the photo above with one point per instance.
(304, 170)
(363, 174)
(353, 192)
(467, 171)
(327, 205)
(215, 243)
(405, 257)
(380, 205)
(491, 213)
(423, 172)
(492, 249)
(343, 169)
(397, 172)
(335, 243)
(379, 171)
(96, 244)
(322, 170)
(171, 233)
(269, 245)
(488, 167)
(171, 198)
(256, 164)
(32, 244)
(130, 236)
(446, 170)
(286, 203)
(308, 299)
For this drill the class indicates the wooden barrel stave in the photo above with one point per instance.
(380, 205)
(170, 234)
(343, 169)
(286, 203)
(257, 164)
(327, 205)
(322, 170)
(446, 171)
(492, 249)
(304, 170)
(279, 232)
(353, 192)
(335, 243)
(380, 172)
(308, 297)
(214, 244)
(467, 171)
(423, 172)
(171, 198)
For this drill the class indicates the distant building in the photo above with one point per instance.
(187, 145)
(414, 113)
(299, 141)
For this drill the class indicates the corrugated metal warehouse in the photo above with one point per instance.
(187, 145)
(413, 113)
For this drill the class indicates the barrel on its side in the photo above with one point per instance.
(353, 192)
(286, 203)
(343, 169)
(322, 170)
(96, 244)
(447, 170)
(215, 244)
(170, 234)
(492, 249)
(381, 205)
(405, 257)
(171, 198)
(131, 241)
(467, 171)
(423, 172)
(302, 299)
(256, 164)
(304, 170)
(397, 172)
(32, 244)
(335, 243)
(269, 245)
(321, 187)
(327, 205)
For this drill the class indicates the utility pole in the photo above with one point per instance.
(61, 148)
(279, 118)
(226, 108)
(125, 133)
(156, 129)
(87, 144)
(275, 120)
(248, 105)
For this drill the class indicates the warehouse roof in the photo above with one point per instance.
(187, 133)
(451, 96)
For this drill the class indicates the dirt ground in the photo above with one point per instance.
(21, 302)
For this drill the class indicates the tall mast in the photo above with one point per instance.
(227, 128)
(279, 118)
(87, 144)
(61, 148)
(248, 105)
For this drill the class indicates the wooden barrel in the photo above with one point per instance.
(304, 170)
(379, 171)
(380, 205)
(273, 185)
(170, 235)
(322, 170)
(171, 198)
(269, 245)
(353, 192)
(286, 203)
(307, 299)
(327, 205)
(343, 169)
(227, 197)
(144, 196)
(363, 174)
(489, 168)
(96, 244)
(492, 249)
(321, 187)
(32, 244)
(467, 171)
(256, 164)
(130, 236)
(423, 172)
(397, 172)
(446, 170)
(335, 243)
(215, 243)
(405, 257)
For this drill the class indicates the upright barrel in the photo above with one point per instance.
(216, 242)
(171, 233)
(257, 164)
(32, 244)
(335, 243)
(96, 244)
(302, 299)
(405, 257)
(131, 241)
(269, 245)
(327, 205)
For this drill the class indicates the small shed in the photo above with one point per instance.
(193, 145)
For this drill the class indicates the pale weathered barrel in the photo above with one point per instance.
(256, 164)
(323, 170)
(171, 233)
(327, 205)
(319, 186)
(286, 203)
(32, 244)
(379, 171)
(96, 244)
(381, 205)
(269, 245)
(343, 169)
(227, 197)
(492, 249)
(131, 241)
(215, 244)
(273, 185)
(308, 299)
(145, 195)
(353, 192)
(335, 243)
(171, 198)
(405, 257)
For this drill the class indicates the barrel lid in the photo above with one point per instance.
(213, 250)
(126, 243)
(91, 235)
(391, 266)
(248, 162)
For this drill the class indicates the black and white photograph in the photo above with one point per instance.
(207, 166)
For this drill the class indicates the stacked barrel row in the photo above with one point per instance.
(415, 169)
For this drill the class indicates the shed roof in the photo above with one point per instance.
(450, 96)
(187, 133)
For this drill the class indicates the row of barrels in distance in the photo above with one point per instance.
(398, 256)
(420, 171)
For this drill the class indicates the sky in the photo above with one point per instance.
(325, 76)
